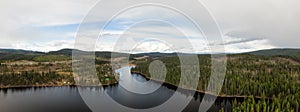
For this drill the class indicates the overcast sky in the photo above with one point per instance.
(247, 25)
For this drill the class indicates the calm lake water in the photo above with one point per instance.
(65, 99)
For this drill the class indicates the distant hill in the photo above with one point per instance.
(67, 52)
(17, 54)
(156, 54)
(19, 51)
(63, 54)
(273, 52)
(290, 53)
(159, 54)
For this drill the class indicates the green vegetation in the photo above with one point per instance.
(287, 53)
(264, 77)
(106, 74)
(280, 103)
(51, 58)
(28, 68)
(269, 80)
(278, 52)
(28, 73)
(34, 78)
(4, 57)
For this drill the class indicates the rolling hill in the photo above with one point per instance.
(17, 54)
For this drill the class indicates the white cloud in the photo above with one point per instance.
(276, 20)
(43, 46)
(18, 19)
(248, 46)
(152, 46)
(44, 13)
(256, 24)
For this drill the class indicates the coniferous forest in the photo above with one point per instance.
(274, 80)
(267, 83)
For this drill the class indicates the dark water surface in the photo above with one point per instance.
(68, 99)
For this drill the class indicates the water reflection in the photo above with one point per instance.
(41, 99)
(62, 99)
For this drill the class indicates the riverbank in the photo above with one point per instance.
(135, 72)
(52, 85)
(29, 86)
(198, 91)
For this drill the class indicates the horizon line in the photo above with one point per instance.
(278, 48)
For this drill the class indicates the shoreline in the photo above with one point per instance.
(138, 73)
(32, 86)
(49, 85)
(198, 91)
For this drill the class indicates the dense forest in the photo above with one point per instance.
(273, 79)
(271, 76)
(34, 78)
(27, 73)
(28, 68)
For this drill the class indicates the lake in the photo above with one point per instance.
(71, 98)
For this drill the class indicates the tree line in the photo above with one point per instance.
(263, 77)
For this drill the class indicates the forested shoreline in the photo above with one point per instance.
(274, 79)
(264, 77)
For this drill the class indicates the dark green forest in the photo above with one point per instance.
(34, 78)
(271, 76)
(273, 79)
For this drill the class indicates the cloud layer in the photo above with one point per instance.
(247, 25)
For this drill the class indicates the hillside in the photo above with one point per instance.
(19, 51)
(270, 52)
(289, 53)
